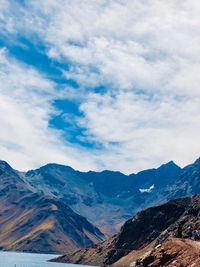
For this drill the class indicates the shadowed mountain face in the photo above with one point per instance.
(105, 198)
(36, 223)
(140, 235)
(188, 182)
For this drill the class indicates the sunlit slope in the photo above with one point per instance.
(32, 222)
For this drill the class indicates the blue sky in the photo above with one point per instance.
(99, 84)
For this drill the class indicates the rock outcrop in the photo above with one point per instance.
(140, 236)
(173, 252)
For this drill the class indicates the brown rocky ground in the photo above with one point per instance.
(139, 237)
(173, 253)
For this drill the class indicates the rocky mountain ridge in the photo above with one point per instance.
(66, 197)
(107, 198)
(30, 221)
(139, 237)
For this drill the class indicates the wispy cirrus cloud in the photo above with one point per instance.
(146, 57)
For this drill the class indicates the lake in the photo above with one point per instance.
(15, 259)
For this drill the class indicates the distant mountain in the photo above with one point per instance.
(188, 182)
(48, 206)
(105, 198)
(160, 177)
(138, 239)
(33, 222)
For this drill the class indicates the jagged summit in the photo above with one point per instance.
(197, 162)
(171, 163)
(5, 165)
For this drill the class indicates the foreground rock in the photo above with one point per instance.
(173, 252)
(140, 235)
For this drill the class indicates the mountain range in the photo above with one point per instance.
(58, 209)
(107, 199)
(33, 222)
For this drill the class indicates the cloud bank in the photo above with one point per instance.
(146, 57)
(26, 107)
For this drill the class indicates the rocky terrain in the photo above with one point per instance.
(61, 209)
(107, 198)
(148, 239)
(35, 223)
(173, 252)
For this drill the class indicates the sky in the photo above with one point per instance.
(99, 84)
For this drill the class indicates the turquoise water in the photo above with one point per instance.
(14, 259)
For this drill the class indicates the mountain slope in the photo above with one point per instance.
(172, 252)
(44, 199)
(188, 182)
(106, 198)
(33, 222)
(140, 235)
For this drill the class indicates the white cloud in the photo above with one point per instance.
(146, 53)
(26, 141)
(125, 44)
(141, 131)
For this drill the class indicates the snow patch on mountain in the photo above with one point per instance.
(147, 190)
